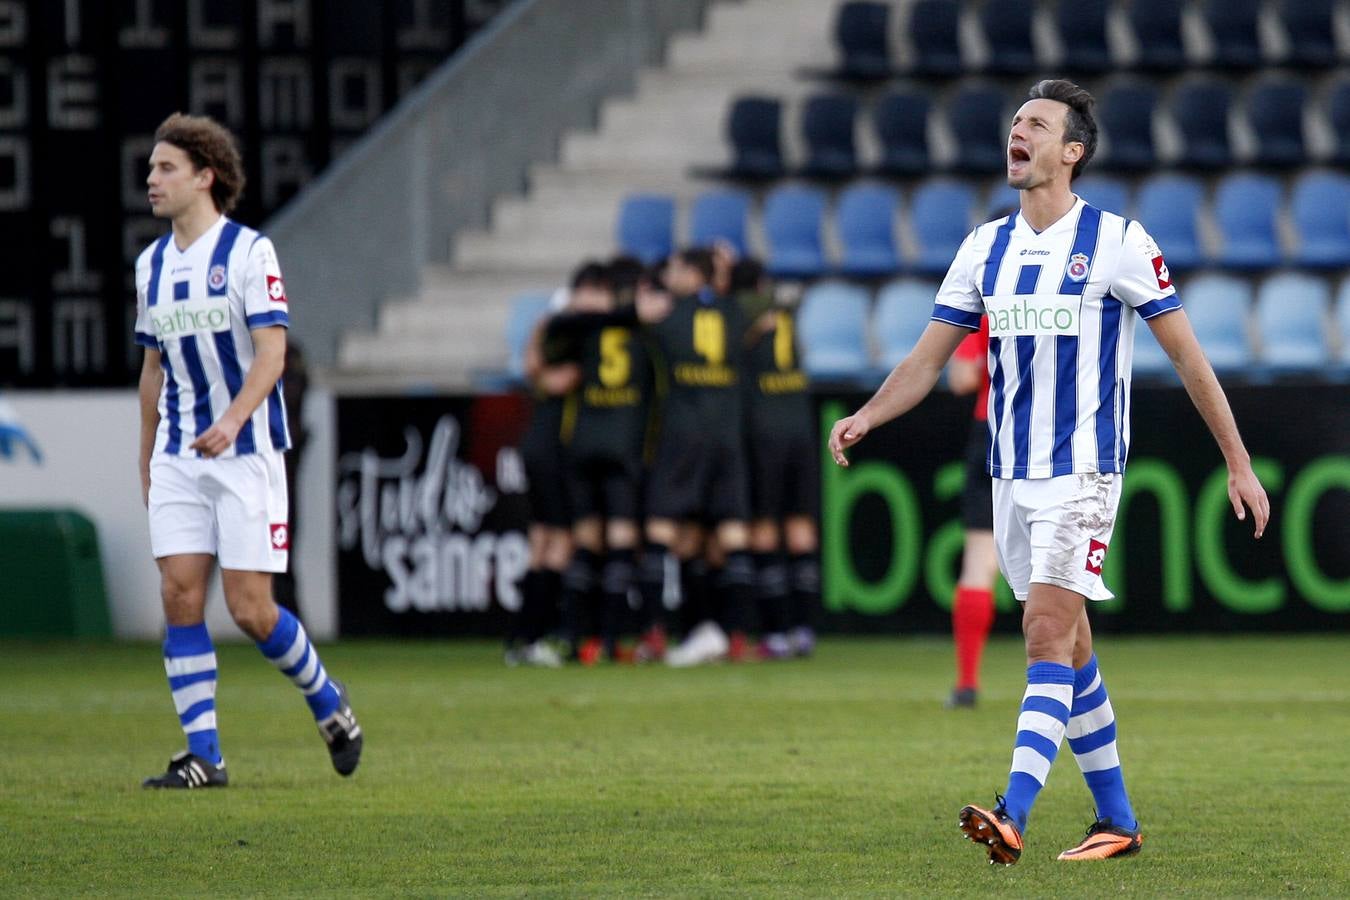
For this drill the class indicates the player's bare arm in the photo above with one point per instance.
(1177, 339)
(902, 390)
(269, 360)
(152, 380)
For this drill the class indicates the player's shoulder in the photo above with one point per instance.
(148, 253)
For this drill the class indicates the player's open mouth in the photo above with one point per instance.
(1018, 154)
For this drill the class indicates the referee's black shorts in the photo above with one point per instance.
(977, 497)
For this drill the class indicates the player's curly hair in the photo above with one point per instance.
(1079, 125)
(210, 146)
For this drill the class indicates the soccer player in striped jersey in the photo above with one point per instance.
(1062, 284)
(211, 313)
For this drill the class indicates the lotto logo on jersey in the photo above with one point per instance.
(281, 536)
(276, 291)
(1160, 270)
(1096, 555)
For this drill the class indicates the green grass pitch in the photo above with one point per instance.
(835, 777)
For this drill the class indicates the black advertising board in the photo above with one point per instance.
(432, 515)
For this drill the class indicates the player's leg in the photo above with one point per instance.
(580, 586)
(801, 509)
(973, 603)
(1092, 738)
(771, 588)
(728, 505)
(182, 538)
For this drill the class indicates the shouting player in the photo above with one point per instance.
(211, 313)
(1062, 284)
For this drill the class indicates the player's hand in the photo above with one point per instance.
(1245, 492)
(218, 438)
(845, 433)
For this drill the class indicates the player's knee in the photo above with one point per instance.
(1047, 639)
(252, 608)
(183, 601)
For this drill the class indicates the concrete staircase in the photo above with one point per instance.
(456, 325)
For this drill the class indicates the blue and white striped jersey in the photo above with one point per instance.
(197, 307)
(1061, 307)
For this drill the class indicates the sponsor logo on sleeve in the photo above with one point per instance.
(276, 291)
(1160, 271)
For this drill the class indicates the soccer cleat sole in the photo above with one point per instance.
(1104, 846)
(979, 825)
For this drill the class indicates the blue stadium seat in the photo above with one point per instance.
(1200, 109)
(933, 28)
(1338, 115)
(526, 311)
(1311, 29)
(1342, 315)
(1150, 360)
(1007, 30)
(1218, 307)
(1320, 209)
(1275, 111)
(865, 223)
(647, 226)
(901, 122)
(827, 130)
(904, 308)
(1002, 198)
(754, 129)
(1168, 206)
(1126, 116)
(1104, 192)
(832, 328)
(860, 32)
(1157, 31)
(1233, 25)
(793, 215)
(940, 211)
(1291, 311)
(1082, 33)
(720, 216)
(980, 128)
(1245, 206)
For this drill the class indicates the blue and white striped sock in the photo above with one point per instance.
(1092, 738)
(190, 663)
(1040, 729)
(288, 648)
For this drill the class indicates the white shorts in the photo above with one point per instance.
(234, 509)
(1055, 531)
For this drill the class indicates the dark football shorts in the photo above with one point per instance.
(977, 497)
(695, 480)
(784, 475)
(605, 483)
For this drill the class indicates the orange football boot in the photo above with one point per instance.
(1103, 841)
(994, 830)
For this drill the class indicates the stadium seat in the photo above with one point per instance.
(904, 308)
(1200, 108)
(1126, 117)
(1218, 307)
(865, 223)
(1081, 25)
(793, 216)
(861, 32)
(647, 226)
(1320, 210)
(1007, 30)
(901, 122)
(827, 131)
(980, 129)
(1310, 26)
(1002, 197)
(1157, 32)
(753, 127)
(1291, 312)
(526, 311)
(1275, 111)
(1169, 207)
(720, 216)
(1233, 26)
(1245, 206)
(1150, 360)
(940, 212)
(1338, 115)
(933, 26)
(1103, 192)
(832, 329)
(1342, 315)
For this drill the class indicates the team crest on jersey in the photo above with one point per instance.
(215, 278)
(1078, 267)
(281, 536)
(1096, 556)
(276, 291)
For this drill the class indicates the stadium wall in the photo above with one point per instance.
(365, 229)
